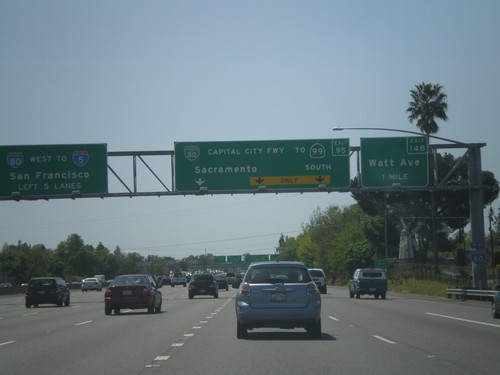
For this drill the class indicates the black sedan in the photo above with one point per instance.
(138, 291)
(203, 284)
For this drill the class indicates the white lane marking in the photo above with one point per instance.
(7, 343)
(384, 339)
(178, 344)
(188, 334)
(82, 323)
(162, 358)
(28, 314)
(332, 318)
(464, 320)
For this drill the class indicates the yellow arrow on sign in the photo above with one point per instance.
(288, 180)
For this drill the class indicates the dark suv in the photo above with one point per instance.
(51, 290)
(371, 281)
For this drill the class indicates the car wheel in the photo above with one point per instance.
(324, 289)
(351, 294)
(60, 302)
(116, 310)
(376, 295)
(227, 289)
(66, 303)
(36, 305)
(190, 296)
(184, 285)
(151, 308)
(28, 305)
(314, 330)
(383, 295)
(241, 330)
(216, 295)
(107, 310)
(158, 308)
(358, 295)
(494, 313)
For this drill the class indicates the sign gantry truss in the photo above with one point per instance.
(152, 173)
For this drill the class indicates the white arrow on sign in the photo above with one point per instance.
(200, 182)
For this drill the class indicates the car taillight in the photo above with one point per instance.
(107, 293)
(358, 281)
(145, 292)
(312, 288)
(58, 290)
(245, 289)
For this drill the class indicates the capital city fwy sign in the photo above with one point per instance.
(50, 170)
(285, 164)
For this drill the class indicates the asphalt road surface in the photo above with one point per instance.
(404, 334)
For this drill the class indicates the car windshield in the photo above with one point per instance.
(273, 275)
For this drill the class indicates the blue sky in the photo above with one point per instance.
(141, 75)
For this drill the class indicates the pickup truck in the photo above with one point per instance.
(371, 281)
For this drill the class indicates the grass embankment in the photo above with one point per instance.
(413, 286)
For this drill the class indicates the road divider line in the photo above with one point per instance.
(384, 339)
(82, 323)
(7, 343)
(332, 318)
(463, 320)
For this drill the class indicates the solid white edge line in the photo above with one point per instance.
(464, 320)
(7, 342)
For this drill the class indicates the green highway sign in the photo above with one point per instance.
(396, 161)
(45, 170)
(245, 165)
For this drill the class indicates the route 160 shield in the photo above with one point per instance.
(80, 158)
(15, 159)
(191, 152)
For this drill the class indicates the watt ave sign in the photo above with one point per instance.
(49, 170)
(250, 165)
(396, 161)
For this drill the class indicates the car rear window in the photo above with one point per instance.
(372, 274)
(203, 277)
(316, 273)
(277, 275)
(41, 282)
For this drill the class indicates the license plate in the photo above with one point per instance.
(278, 297)
(202, 290)
(41, 292)
(373, 289)
(126, 293)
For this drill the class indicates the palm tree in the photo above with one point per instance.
(428, 103)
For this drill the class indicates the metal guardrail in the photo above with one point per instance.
(465, 293)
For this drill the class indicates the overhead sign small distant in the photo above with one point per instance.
(48, 170)
(244, 165)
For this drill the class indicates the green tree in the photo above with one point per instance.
(428, 103)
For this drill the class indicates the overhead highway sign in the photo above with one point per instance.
(244, 165)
